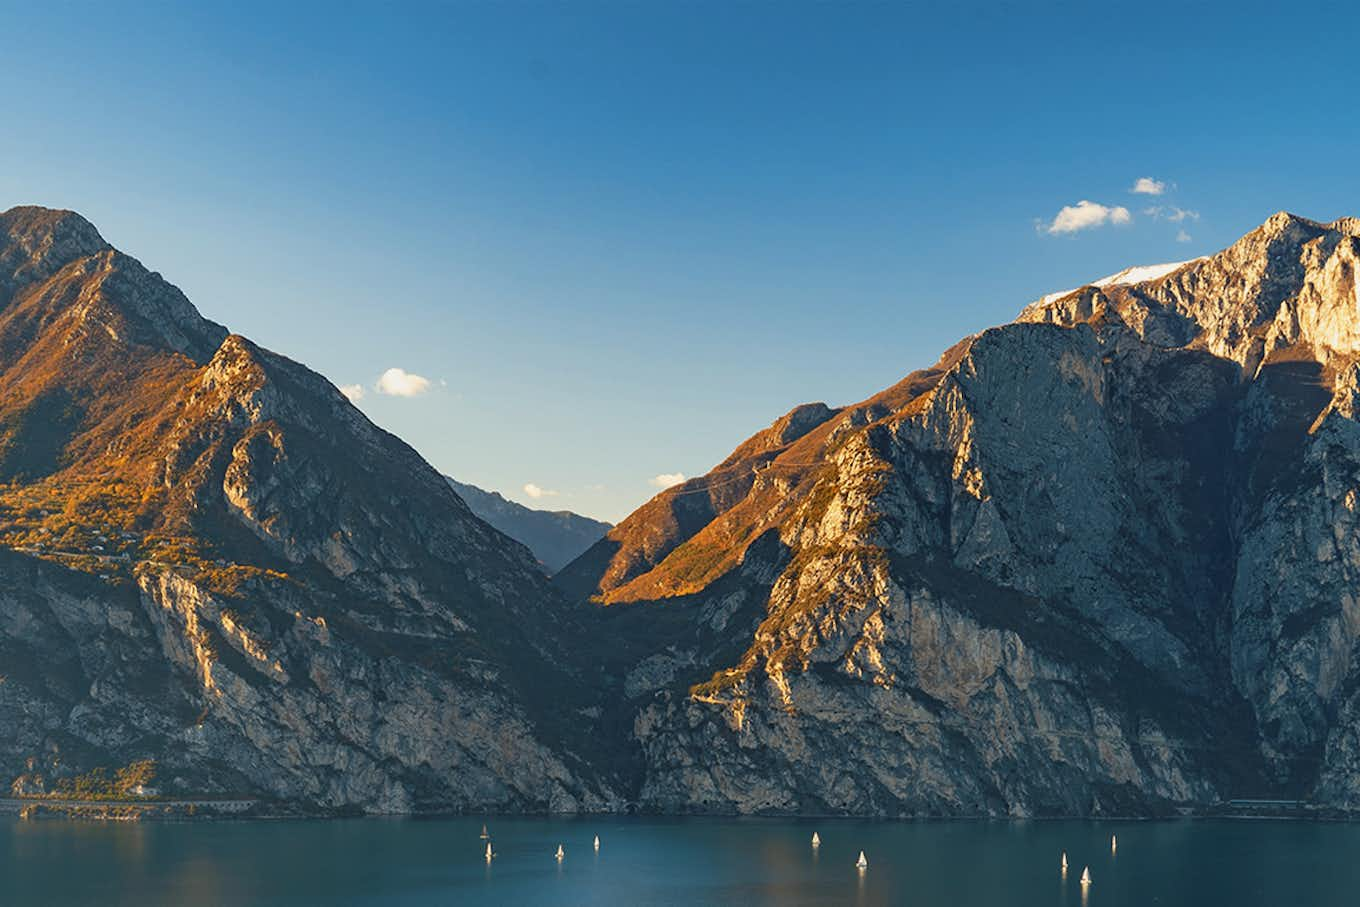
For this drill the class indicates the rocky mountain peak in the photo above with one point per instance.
(784, 431)
(55, 268)
(51, 231)
(1350, 226)
(1286, 222)
(37, 242)
(1288, 289)
(800, 420)
(1283, 220)
(1280, 234)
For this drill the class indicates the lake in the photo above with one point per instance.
(677, 861)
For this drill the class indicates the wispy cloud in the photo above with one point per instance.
(355, 392)
(1087, 215)
(397, 382)
(1182, 236)
(1171, 213)
(1146, 185)
(667, 479)
(536, 492)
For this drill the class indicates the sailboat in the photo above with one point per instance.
(816, 840)
(1064, 863)
(560, 853)
(861, 862)
(489, 854)
(1086, 876)
(1114, 843)
(597, 842)
(484, 834)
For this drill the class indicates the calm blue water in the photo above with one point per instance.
(661, 861)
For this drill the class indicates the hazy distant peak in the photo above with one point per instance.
(556, 537)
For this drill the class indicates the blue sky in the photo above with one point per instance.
(616, 239)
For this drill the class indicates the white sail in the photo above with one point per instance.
(1086, 876)
(489, 855)
(1064, 861)
(861, 862)
(597, 842)
(816, 840)
(560, 852)
(1114, 843)
(484, 834)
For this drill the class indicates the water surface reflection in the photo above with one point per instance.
(678, 861)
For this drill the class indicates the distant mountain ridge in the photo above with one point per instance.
(556, 537)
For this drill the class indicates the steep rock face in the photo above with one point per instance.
(1295, 614)
(1284, 304)
(960, 627)
(217, 562)
(1100, 560)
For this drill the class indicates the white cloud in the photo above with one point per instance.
(1146, 185)
(355, 392)
(1182, 236)
(667, 479)
(1085, 215)
(397, 382)
(536, 492)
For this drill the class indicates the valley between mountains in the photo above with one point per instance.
(1100, 560)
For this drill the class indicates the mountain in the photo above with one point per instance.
(556, 537)
(210, 558)
(1101, 559)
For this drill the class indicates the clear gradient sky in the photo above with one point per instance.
(619, 238)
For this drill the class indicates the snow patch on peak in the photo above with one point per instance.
(1126, 277)
(1142, 273)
